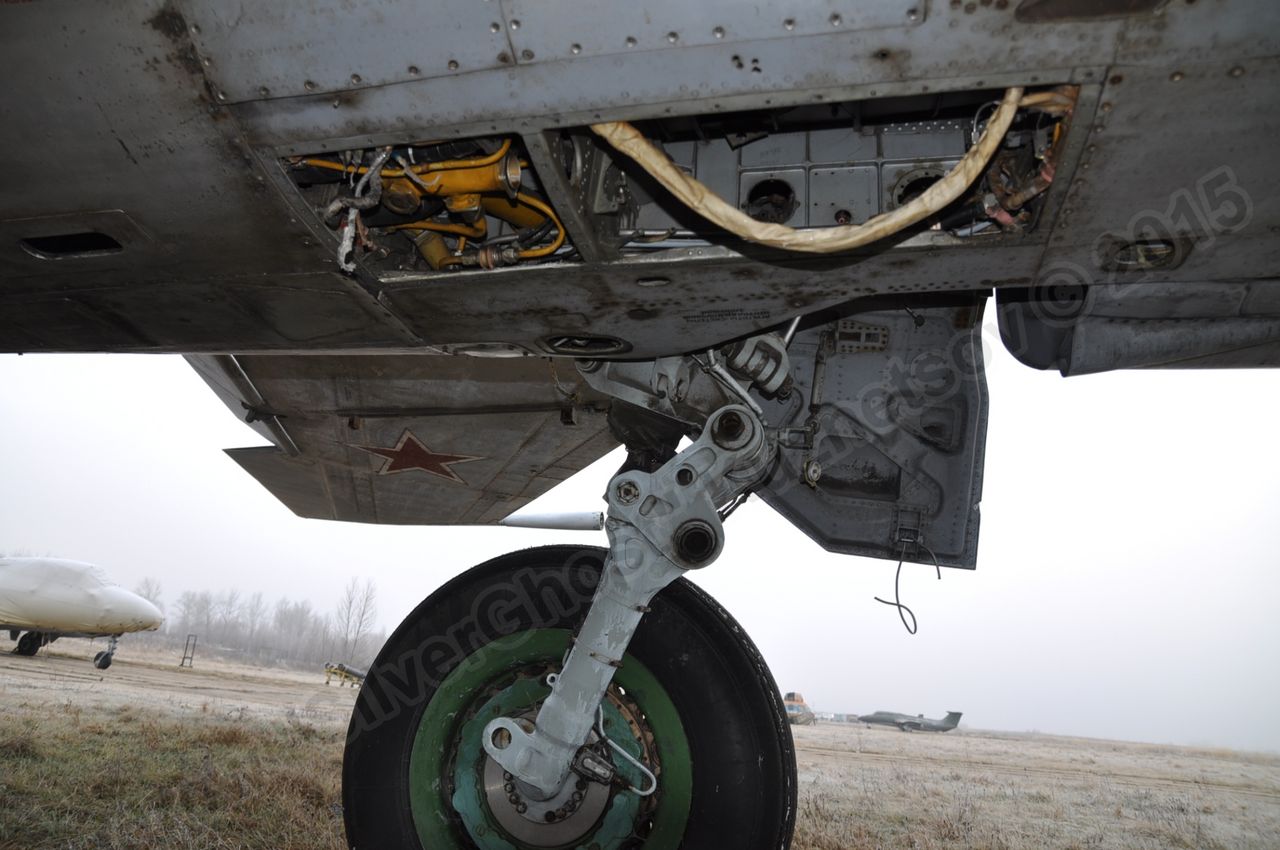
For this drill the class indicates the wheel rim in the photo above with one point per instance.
(447, 767)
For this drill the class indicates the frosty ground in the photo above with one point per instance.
(147, 755)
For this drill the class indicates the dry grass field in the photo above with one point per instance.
(149, 757)
(881, 788)
(135, 779)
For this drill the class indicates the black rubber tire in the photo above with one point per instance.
(29, 644)
(102, 660)
(744, 775)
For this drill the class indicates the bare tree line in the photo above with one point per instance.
(287, 631)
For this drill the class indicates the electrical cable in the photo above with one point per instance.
(359, 201)
(903, 611)
(531, 236)
(706, 203)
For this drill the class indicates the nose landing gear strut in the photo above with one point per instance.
(660, 525)
(581, 697)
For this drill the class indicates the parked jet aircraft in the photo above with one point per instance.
(43, 599)
(908, 723)
(445, 255)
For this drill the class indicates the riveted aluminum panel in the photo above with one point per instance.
(899, 412)
(842, 144)
(270, 50)
(854, 189)
(563, 29)
(969, 46)
(1225, 31)
(774, 150)
(490, 434)
(1153, 167)
(709, 295)
(110, 112)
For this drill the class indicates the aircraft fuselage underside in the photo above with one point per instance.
(175, 131)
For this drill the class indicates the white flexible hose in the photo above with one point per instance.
(825, 240)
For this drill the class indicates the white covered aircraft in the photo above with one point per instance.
(48, 598)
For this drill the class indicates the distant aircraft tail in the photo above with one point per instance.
(952, 720)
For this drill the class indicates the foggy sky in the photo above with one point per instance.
(1127, 582)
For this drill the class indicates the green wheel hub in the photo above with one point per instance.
(447, 763)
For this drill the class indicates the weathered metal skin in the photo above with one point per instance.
(162, 125)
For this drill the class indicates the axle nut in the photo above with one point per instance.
(731, 430)
(695, 542)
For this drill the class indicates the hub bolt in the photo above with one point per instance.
(628, 492)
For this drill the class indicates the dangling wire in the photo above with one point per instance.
(568, 391)
(903, 611)
(360, 200)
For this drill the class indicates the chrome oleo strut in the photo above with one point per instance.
(659, 524)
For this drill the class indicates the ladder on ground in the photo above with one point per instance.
(189, 653)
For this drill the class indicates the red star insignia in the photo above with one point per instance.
(411, 453)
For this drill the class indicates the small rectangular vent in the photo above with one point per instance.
(854, 337)
(89, 243)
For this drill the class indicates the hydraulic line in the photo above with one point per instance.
(424, 168)
(512, 212)
(476, 231)
(545, 209)
(431, 246)
(479, 179)
(489, 255)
